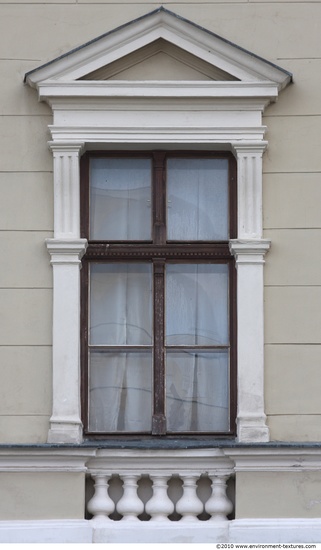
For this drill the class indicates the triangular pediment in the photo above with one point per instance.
(159, 60)
(159, 46)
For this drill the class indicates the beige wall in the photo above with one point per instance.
(278, 495)
(291, 197)
(288, 34)
(58, 495)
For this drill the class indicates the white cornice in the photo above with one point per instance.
(52, 89)
(160, 103)
(175, 135)
(275, 459)
(44, 460)
(120, 461)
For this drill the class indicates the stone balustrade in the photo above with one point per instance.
(160, 487)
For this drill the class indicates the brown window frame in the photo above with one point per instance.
(157, 251)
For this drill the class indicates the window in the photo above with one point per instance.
(158, 293)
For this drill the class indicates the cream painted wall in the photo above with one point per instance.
(42, 495)
(291, 195)
(273, 29)
(278, 494)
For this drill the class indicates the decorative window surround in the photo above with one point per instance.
(111, 114)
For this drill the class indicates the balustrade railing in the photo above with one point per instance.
(160, 494)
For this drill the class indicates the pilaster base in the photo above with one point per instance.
(65, 432)
(252, 430)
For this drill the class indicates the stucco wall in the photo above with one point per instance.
(26, 496)
(291, 194)
(32, 33)
(278, 495)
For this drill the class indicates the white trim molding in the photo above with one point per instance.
(111, 114)
(274, 530)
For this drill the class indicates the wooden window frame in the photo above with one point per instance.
(158, 251)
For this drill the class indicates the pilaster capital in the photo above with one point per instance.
(66, 251)
(240, 148)
(67, 147)
(249, 251)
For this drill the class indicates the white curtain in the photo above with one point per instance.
(197, 382)
(197, 315)
(197, 206)
(121, 299)
(120, 315)
(120, 199)
(120, 392)
(197, 391)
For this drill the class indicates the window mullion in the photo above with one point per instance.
(159, 419)
(159, 198)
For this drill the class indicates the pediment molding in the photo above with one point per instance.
(194, 46)
(218, 97)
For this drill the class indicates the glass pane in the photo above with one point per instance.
(120, 199)
(120, 304)
(120, 391)
(197, 393)
(197, 193)
(197, 304)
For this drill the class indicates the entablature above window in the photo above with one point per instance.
(209, 73)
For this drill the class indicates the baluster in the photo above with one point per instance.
(130, 505)
(189, 505)
(160, 505)
(219, 505)
(101, 505)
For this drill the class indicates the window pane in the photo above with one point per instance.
(120, 304)
(197, 392)
(120, 390)
(120, 199)
(197, 304)
(197, 192)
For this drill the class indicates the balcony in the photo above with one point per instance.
(175, 490)
(141, 494)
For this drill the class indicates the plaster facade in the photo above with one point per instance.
(275, 31)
